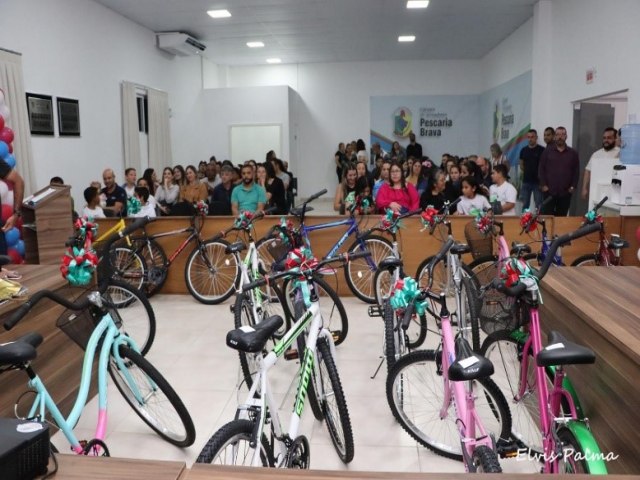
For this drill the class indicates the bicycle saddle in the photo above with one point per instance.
(253, 339)
(617, 242)
(390, 261)
(21, 350)
(297, 211)
(561, 351)
(460, 248)
(469, 365)
(520, 248)
(235, 247)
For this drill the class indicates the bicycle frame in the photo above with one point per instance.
(606, 256)
(266, 404)
(193, 235)
(112, 339)
(546, 243)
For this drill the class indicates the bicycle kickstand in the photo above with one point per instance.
(382, 359)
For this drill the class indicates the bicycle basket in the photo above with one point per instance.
(481, 244)
(278, 249)
(501, 312)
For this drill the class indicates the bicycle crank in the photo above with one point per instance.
(298, 454)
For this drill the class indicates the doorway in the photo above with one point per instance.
(590, 117)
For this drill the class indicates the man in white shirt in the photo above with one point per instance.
(608, 153)
(502, 191)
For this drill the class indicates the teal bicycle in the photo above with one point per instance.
(94, 324)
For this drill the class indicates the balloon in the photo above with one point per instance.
(10, 160)
(4, 149)
(1, 122)
(6, 135)
(638, 234)
(6, 212)
(16, 258)
(12, 236)
(20, 247)
(10, 148)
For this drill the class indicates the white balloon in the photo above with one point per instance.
(4, 190)
(9, 198)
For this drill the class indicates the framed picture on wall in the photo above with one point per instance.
(40, 112)
(68, 117)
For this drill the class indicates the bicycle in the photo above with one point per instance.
(283, 238)
(609, 252)
(97, 326)
(547, 419)
(244, 439)
(210, 273)
(358, 273)
(456, 425)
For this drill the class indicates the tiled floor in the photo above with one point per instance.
(190, 351)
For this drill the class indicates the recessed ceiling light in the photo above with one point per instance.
(406, 38)
(219, 13)
(417, 3)
(274, 60)
(255, 44)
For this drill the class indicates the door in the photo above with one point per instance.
(589, 121)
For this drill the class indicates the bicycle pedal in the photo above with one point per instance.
(508, 450)
(375, 311)
(336, 334)
(232, 308)
(291, 354)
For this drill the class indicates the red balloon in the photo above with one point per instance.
(10, 146)
(6, 135)
(1, 122)
(638, 234)
(16, 259)
(6, 212)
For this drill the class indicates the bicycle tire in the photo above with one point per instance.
(419, 370)
(485, 269)
(471, 302)
(485, 460)
(334, 405)
(156, 263)
(590, 260)
(151, 384)
(394, 342)
(137, 318)
(359, 273)
(384, 284)
(568, 463)
(210, 273)
(334, 315)
(232, 434)
(127, 265)
(439, 276)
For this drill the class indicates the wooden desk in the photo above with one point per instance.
(59, 361)
(75, 467)
(598, 307)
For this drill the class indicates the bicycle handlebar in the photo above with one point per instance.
(23, 309)
(316, 195)
(438, 257)
(343, 257)
(535, 216)
(600, 204)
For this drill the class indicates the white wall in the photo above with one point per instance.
(512, 57)
(80, 49)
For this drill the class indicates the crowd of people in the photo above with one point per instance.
(404, 179)
(227, 189)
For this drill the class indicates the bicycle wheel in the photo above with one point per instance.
(440, 281)
(574, 458)
(157, 265)
(152, 398)
(334, 315)
(230, 446)
(486, 460)
(211, 273)
(384, 284)
(505, 354)
(415, 392)
(132, 308)
(590, 260)
(359, 273)
(469, 297)
(334, 405)
(485, 269)
(128, 266)
(394, 341)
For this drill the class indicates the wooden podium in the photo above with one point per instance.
(47, 224)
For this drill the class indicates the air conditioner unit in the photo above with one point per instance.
(179, 44)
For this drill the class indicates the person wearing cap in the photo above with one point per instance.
(502, 191)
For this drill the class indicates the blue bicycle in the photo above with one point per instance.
(359, 273)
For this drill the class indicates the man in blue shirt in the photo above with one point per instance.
(116, 195)
(248, 196)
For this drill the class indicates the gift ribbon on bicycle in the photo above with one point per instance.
(406, 290)
(302, 259)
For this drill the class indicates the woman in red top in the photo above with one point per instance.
(398, 195)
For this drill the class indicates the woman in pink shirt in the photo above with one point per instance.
(397, 195)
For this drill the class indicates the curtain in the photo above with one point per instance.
(159, 130)
(130, 133)
(12, 83)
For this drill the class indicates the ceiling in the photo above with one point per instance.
(306, 31)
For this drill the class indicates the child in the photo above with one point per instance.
(142, 182)
(92, 209)
(471, 198)
(103, 197)
(502, 191)
(366, 205)
(142, 194)
(453, 189)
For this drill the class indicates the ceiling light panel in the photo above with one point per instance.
(255, 44)
(406, 38)
(219, 13)
(274, 60)
(417, 3)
